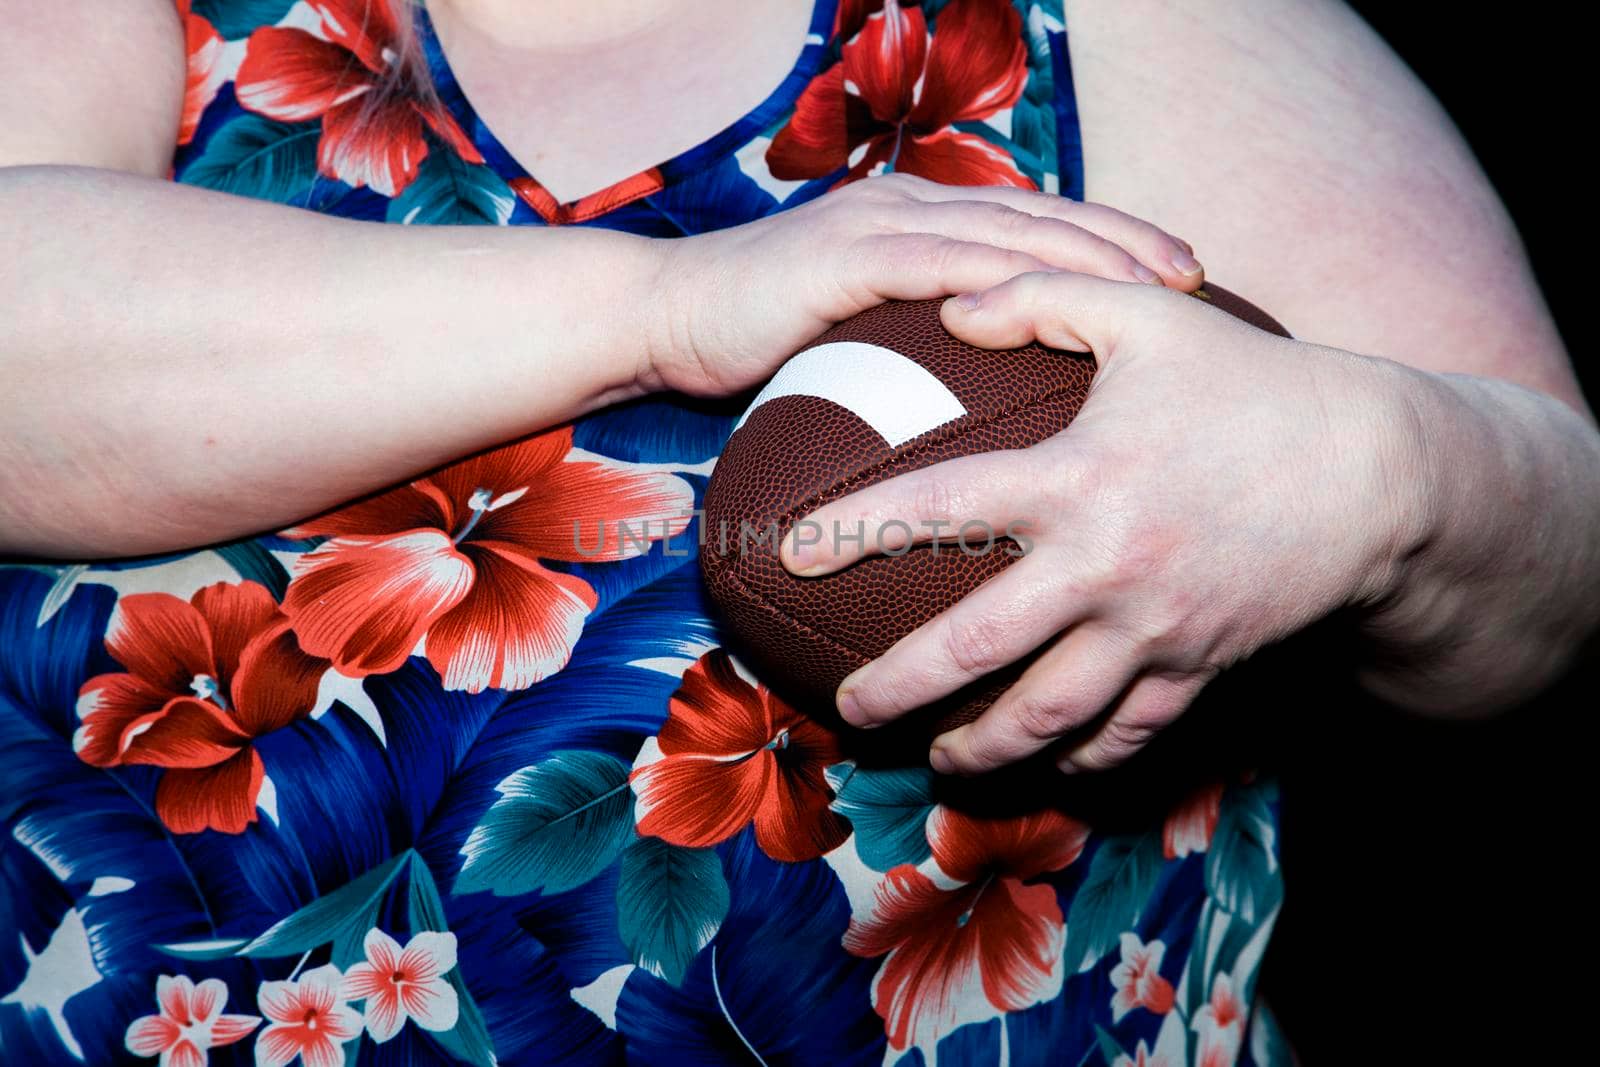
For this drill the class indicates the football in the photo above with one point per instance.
(883, 393)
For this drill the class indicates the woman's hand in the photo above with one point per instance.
(1221, 488)
(734, 304)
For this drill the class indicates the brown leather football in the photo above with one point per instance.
(886, 392)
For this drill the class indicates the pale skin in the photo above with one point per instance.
(1422, 460)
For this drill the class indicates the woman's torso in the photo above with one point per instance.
(566, 786)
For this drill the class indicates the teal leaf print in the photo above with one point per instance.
(556, 825)
(888, 809)
(237, 18)
(1109, 1049)
(257, 157)
(670, 902)
(449, 191)
(1242, 864)
(255, 564)
(329, 918)
(469, 1040)
(1120, 879)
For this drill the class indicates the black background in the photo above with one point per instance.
(1436, 913)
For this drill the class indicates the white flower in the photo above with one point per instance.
(405, 983)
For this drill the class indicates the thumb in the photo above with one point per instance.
(1061, 309)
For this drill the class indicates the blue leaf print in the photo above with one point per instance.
(670, 902)
(555, 826)
(131, 884)
(777, 959)
(888, 810)
(716, 197)
(45, 665)
(312, 926)
(672, 429)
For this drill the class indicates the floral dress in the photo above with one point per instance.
(416, 781)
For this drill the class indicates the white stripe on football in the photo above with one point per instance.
(894, 395)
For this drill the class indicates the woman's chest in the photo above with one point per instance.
(592, 111)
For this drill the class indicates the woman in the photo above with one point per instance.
(413, 776)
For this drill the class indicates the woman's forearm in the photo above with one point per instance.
(1499, 582)
(179, 366)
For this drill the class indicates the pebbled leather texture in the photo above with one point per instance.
(794, 453)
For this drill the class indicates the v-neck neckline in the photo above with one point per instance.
(735, 135)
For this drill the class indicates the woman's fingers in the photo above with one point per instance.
(996, 624)
(1052, 240)
(968, 504)
(1150, 704)
(924, 266)
(1063, 690)
(1169, 256)
(1074, 312)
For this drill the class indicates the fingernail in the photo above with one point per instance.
(1146, 275)
(1185, 263)
(801, 561)
(850, 708)
(1066, 766)
(940, 761)
(968, 301)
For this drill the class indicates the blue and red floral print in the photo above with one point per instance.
(445, 776)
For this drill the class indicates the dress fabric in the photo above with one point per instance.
(445, 776)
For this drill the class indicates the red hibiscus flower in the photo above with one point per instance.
(992, 939)
(295, 75)
(203, 680)
(453, 559)
(895, 93)
(204, 45)
(1191, 824)
(851, 15)
(732, 754)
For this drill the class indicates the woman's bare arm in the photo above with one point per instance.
(179, 366)
(1317, 176)
(188, 366)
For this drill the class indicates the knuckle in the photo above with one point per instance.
(1077, 481)
(1040, 717)
(981, 748)
(894, 186)
(940, 255)
(1006, 222)
(976, 646)
(1113, 254)
(933, 497)
(881, 695)
(1122, 736)
(888, 254)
